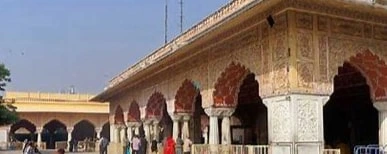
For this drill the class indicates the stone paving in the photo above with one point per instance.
(45, 152)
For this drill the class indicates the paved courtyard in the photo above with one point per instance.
(45, 152)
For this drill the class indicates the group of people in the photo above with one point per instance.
(30, 147)
(138, 145)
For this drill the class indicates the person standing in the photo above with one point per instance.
(143, 145)
(135, 144)
(103, 145)
(179, 145)
(169, 146)
(154, 146)
(187, 146)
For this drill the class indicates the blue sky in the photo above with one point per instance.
(50, 45)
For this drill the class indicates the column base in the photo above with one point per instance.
(308, 148)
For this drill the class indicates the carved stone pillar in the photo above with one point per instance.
(117, 134)
(295, 123)
(147, 125)
(39, 132)
(382, 108)
(69, 132)
(226, 132)
(214, 114)
(185, 128)
(98, 131)
(176, 120)
(123, 138)
(156, 130)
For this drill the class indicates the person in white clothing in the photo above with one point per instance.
(187, 146)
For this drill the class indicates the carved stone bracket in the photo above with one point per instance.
(219, 112)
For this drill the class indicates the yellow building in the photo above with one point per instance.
(53, 119)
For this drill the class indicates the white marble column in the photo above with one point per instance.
(214, 114)
(185, 128)
(112, 133)
(147, 125)
(39, 139)
(176, 120)
(205, 135)
(156, 130)
(296, 119)
(123, 138)
(226, 132)
(129, 132)
(382, 109)
(69, 134)
(98, 132)
(137, 130)
(117, 134)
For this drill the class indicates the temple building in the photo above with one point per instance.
(52, 120)
(294, 76)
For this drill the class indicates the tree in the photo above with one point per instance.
(8, 114)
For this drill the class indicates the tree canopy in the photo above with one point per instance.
(8, 114)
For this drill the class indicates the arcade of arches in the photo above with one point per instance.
(51, 118)
(314, 78)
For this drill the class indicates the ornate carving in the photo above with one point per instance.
(134, 112)
(347, 27)
(368, 30)
(380, 32)
(155, 106)
(281, 122)
(307, 123)
(323, 23)
(305, 45)
(185, 97)
(305, 74)
(304, 20)
(323, 57)
(227, 85)
(280, 72)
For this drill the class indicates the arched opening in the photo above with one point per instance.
(119, 115)
(83, 130)
(23, 129)
(166, 124)
(54, 131)
(350, 118)
(157, 109)
(249, 121)
(106, 131)
(199, 122)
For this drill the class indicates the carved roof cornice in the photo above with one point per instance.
(356, 9)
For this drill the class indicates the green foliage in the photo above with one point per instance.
(4, 77)
(8, 114)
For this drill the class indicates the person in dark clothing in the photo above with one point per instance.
(143, 145)
(71, 145)
(154, 146)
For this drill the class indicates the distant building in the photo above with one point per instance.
(53, 119)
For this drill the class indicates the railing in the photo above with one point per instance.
(370, 149)
(331, 151)
(229, 149)
(61, 144)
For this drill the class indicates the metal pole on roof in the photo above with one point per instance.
(166, 23)
(181, 16)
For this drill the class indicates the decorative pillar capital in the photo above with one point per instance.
(70, 129)
(219, 112)
(380, 105)
(39, 129)
(98, 129)
(133, 124)
(176, 117)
